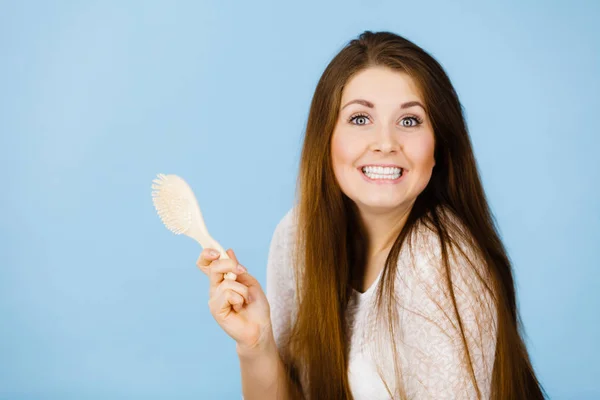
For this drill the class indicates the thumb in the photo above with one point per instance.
(232, 255)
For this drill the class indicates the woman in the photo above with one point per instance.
(388, 278)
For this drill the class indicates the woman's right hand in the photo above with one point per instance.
(240, 307)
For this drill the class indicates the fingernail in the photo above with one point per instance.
(240, 268)
(213, 253)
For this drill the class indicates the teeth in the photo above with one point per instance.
(382, 173)
(382, 170)
(376, 176)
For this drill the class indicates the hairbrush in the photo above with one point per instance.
(178, 209)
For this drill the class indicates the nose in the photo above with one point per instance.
(385, 140)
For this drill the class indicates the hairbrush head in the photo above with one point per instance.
(174, 202)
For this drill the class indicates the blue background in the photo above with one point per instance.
(98, 300)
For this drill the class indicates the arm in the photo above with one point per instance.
(264, 375)
(437, 362)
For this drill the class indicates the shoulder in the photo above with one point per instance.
(426, 244)
(459, 283)
(465, 265)
(280, 260)
(286, 227)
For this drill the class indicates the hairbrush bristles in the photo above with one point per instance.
(172, 202)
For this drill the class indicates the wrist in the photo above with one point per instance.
(265, 347)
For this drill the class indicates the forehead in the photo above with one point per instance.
(381, 82)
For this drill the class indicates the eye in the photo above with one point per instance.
(360, 119)
(357, 118)
(418, 121)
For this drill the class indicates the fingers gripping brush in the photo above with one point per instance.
(178, 209)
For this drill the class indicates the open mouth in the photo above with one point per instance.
(383, 175)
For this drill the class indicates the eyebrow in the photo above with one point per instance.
(366, 103)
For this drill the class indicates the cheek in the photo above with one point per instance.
(343, 152)
(421, 153)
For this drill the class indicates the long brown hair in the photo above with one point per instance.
(329, 234)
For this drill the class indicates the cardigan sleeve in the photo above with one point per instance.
(436, 363)
(281, 286)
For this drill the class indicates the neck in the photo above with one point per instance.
(382, 229)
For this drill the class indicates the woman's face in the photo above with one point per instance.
(381, 123)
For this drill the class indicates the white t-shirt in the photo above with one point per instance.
(428, 343)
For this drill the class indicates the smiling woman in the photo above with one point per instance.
(388, 277)
(382, 148)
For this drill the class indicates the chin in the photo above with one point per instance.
(378, 205)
